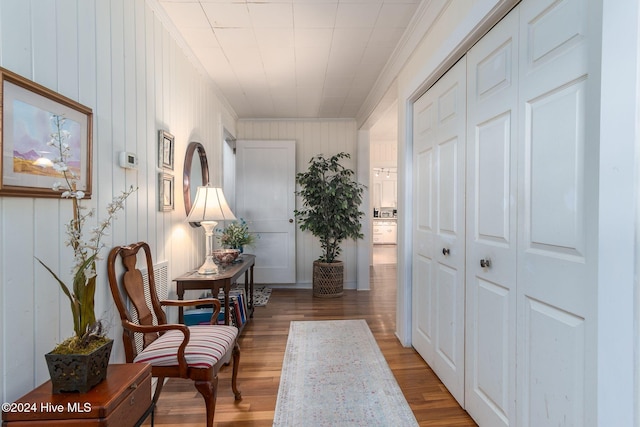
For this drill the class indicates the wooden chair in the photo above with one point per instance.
(172, 350)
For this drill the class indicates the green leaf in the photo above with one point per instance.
(55, 276)
(75, 305)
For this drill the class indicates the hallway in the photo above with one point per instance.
(263, 343)
(385, 254)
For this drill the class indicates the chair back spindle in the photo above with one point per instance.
(133, 289)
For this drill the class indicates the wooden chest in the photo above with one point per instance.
(123, 399)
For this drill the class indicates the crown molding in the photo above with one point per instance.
(383, 93)
(383, 90)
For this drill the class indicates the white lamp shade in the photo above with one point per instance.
(210, 205)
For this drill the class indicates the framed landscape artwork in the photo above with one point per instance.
(26, 169)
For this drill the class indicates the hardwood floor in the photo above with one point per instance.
(384, 254)
(263, 342)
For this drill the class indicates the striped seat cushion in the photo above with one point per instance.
(207, 344)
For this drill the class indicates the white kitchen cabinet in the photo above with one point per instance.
(385, 232)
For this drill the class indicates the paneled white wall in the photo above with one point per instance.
(327, 137)
(384, 154)
(116, 57)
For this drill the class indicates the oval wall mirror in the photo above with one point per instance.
(196, 174)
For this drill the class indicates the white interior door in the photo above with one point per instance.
(439, 243)
(557, 211)
(492, 113)
(531, 235)
(265, 198)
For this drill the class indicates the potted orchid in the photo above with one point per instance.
(88, 332)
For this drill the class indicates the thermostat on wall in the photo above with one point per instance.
(128, 160)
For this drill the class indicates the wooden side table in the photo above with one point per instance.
(123, 399)
(226, 277)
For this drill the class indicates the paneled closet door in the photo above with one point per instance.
(557, 212)
(492, 102)
(439, 243)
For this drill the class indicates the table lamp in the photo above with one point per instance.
(209, 207)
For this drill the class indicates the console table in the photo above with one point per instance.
(122, 399)
(227, 276)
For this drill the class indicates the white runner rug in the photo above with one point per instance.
(334, 374)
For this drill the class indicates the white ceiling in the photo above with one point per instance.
(292, 58)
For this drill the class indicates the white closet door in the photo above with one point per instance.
(439, 243)
(558, 215)
(492, 100)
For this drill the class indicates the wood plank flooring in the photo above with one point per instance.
(263, 342)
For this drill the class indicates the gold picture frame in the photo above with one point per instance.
(26, 165)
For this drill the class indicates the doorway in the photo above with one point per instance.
(383, 184)
(229, 169)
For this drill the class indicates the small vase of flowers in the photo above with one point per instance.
(236, 235)
(88, 332)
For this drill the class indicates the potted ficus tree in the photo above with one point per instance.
(80, 361)
(331, 200)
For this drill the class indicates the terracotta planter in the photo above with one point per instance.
(78, 372)
(328, 279)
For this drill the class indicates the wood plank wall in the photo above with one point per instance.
(116, 57)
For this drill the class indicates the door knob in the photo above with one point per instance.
(485, 263)
(290, 220)
(445, 251)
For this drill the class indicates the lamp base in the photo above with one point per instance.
(209, 266)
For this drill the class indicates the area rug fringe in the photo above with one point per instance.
(334, 374)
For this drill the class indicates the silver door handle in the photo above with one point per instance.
(485, 263)
(445, 251)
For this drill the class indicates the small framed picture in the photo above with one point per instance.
(165, 150)
(167, 192)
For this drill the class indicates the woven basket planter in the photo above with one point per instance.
(328, 279)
